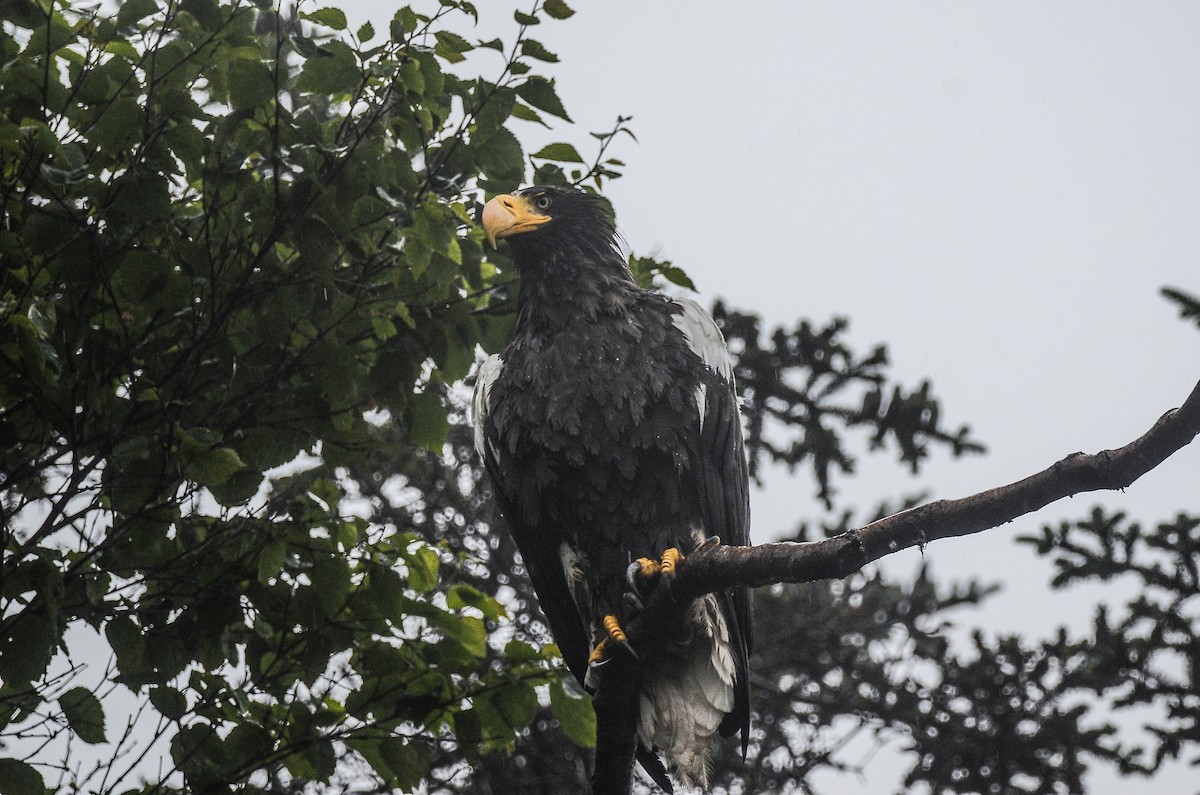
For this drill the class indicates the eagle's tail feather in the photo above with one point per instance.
(687, 692)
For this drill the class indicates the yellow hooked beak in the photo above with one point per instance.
(508, 215)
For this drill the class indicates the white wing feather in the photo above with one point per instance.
(706, 341)
(704, 337)
(489, 371)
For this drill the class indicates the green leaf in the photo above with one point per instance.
(169, 701)
(427, 422)
(402, 311)
(366, 32)
(527, 113)
(271, 558)
(519, 651)
(329, 17)
(334, 72)
(122, 48)
(408, 761)
(517, 702)
(331, 584)
(539, 92)
(246, 744)
(423, 565)
(140, 199)
(206, 12)
(501, 159)
(239, 487)
(677, 276)
(525, 19)
(574, 712)
(215, 466)
(127, 643)
(18, 778)
(468, 631)
(188, 746)
(452, 42)
(563, 153)
(25, 649)
(23, 13)
(463, 595)
(468, 727)
(251, 84)
(118, 125)
(134, 11)
(404, 22)
(558, 9)
(84, 714)
(534, 49)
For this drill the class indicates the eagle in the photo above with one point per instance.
(610, 431)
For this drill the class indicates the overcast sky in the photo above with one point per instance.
(997, 190)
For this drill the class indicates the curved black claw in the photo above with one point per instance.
(632, 572)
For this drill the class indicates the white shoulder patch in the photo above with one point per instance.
(707, 342)
(703, 336)
(488, 371)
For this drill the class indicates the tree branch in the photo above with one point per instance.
(718, 567)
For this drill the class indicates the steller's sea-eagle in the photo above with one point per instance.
(609, 427)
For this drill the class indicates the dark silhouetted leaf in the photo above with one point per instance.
(563, 153)
(539, 92)
(18, 778)
(84, 714)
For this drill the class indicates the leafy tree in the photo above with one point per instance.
(231, 236)
(241, 285)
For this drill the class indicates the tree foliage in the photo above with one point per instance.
(245, 545)
(231, 236)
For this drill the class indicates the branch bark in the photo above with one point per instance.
(717, 568)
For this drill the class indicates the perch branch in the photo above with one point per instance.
(717, 568)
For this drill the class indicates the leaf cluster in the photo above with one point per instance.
(1189, 305)
(1144, 652)
(231, 236)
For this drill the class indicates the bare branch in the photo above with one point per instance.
(721, 567)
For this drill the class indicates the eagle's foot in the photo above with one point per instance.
(640, 575)
(645, 569)
(646, 573)
(616, 636)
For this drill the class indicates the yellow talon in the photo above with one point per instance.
(615, 635)
(599, 653)
(647, 567)
(670, 559)
(614, 629)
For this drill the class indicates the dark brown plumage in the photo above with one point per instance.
(610, 430)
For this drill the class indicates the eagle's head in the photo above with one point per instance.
(542, 221)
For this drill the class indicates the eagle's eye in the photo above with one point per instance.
(542, 202)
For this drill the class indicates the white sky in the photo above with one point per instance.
(997, 190)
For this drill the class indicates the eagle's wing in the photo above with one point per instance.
(542, 556)
(723, 483)
(725, 480)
